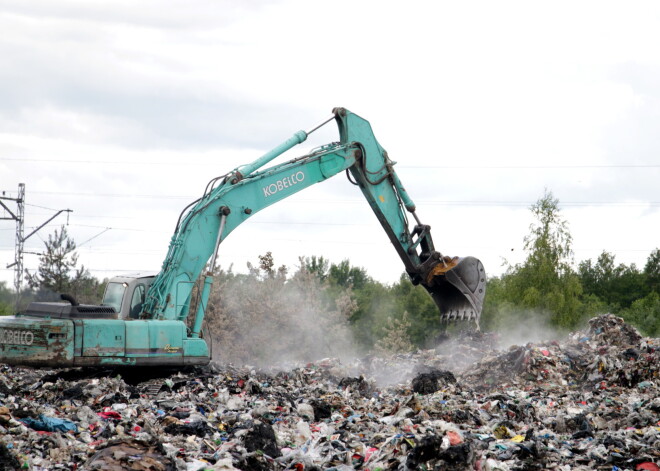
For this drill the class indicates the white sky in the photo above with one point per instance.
(123, 110)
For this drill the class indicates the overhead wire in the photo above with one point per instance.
(469, 167)
(360, 201)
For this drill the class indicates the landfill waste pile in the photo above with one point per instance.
(588, 401)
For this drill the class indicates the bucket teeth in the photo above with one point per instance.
(459, 315)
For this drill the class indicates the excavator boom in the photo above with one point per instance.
(457, 287)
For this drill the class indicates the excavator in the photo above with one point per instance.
(146, 320)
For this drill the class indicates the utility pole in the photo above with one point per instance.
(18, 248)
(19, 217)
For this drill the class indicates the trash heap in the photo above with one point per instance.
(590, 401)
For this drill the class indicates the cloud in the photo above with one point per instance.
(134, 83)
(177, 15)
(124, 111)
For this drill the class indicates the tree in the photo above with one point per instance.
(617, 285)
(318, 266)
(597, 277)
(625, 290)
(652, 271)
(85, 288)
(56, 263)
(265, 317)
(6, 299)
(395, 338)
(423, 315)
(645, 314)
(345, 275)
(374, 305)
(545, 282)
(549, 242)
(498, 306)
(58, 272)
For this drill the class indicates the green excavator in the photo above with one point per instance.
(144, 320)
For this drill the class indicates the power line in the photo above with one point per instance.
(525, 167)
(448, 167)
(500, 249)
(131, 229)
(104, 162)
(360, 201)
(97, 216)
(40, 207)
(111, 195)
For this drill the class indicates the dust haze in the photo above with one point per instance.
(462, 348)
(274, 322)
(526, 326)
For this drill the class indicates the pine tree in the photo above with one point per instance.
(58, 272)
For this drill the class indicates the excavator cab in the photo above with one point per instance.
(127, 294)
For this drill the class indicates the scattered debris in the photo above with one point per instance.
(130, 454)
(589, 401)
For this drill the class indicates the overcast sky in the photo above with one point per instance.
(122, 111)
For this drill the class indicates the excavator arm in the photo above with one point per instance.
(457, 285)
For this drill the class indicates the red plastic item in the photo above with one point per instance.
(647, 466)
(454, 438)
(370, 451)
(109, 415)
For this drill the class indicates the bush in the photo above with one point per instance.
(645, 314)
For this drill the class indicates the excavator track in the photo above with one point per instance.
(152, 388)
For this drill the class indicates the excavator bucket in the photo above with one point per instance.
(458, 287)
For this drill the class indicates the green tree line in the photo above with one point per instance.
(547, 286)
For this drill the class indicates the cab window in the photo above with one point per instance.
(137, 301)
(114, 293)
